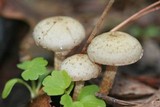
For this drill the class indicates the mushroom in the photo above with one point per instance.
(80, 68)
(113, 49)
(59, 34)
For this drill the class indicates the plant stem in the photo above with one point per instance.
(41, 78)
(39, 85)
(33, 83)
(28, 87)
(137, 15)
(108, 79)
(98, 25)
(77, 89)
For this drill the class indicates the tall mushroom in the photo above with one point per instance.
(80, 68)
(113, 49)
(59, 34)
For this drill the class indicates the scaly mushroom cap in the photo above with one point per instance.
(59, 33)
(80, 68)
(115, 48)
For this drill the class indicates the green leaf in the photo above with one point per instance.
(77, 104)
(68, 91)
(92, 101)
(86, 98)
(88, 90)
(57, 83)
(66, 101)
(33, 69)
(9, 85)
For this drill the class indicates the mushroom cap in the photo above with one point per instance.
(59, 33)
(115, 48)
(80, 68)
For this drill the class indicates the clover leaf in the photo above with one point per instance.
(77, 104)
(66, 100)
(88, 99)
(92, 101)
(56, 83)
(33, 69)
(88, 90)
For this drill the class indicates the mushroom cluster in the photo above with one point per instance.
(59, 34)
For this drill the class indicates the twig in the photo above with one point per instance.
(114, 101)
(98, 25)
(149, 11)
(153, 101)
(137, 15)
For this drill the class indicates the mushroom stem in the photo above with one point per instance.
(58, 58)
(108, 79)
(77, 89)
(57, 61)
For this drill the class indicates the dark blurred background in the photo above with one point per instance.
(18, 18)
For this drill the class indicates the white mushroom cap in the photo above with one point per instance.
(80, 68)
(59, 33)
(115, 48)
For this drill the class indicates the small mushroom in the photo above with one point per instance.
(113, 49)
(59, 34)
(80, 68)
